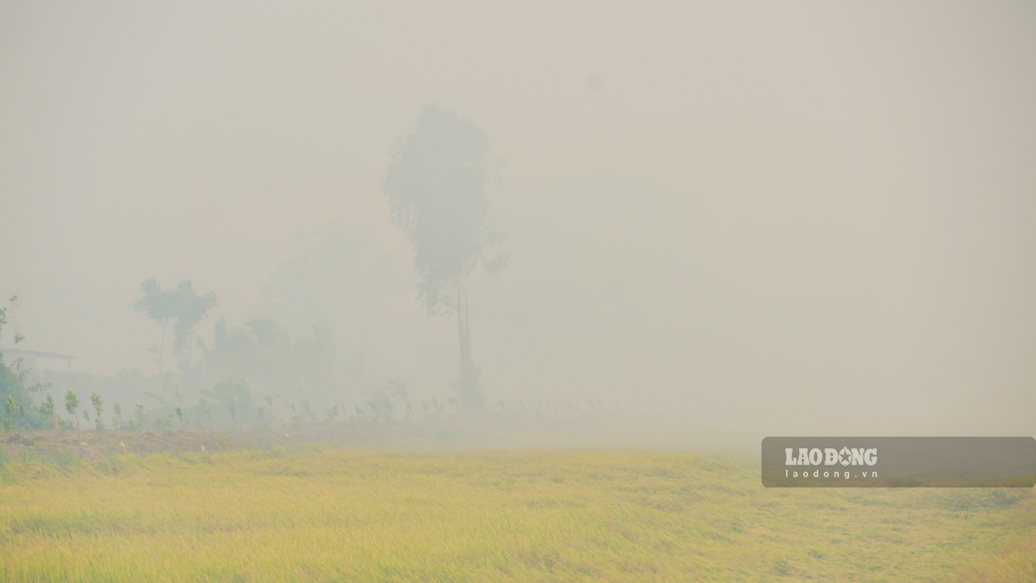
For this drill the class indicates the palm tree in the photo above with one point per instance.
(189, 308)
(182, 304)
(157, 305)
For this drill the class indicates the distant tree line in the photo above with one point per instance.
(18, 408)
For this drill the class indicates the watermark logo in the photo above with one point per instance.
(830, 456)
(903, 462)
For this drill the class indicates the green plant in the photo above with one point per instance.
(95, 399)
(144, 417)
(179, 405)
(47, 409)
(16, 403)
(183, 304)
(157, 305)
(14, 410)
(72, 406)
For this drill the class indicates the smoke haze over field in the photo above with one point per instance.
(770, 219)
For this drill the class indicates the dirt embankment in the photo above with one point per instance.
(99, 444)
(487, 432)
(94, 444)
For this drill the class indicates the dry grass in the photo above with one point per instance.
(1015, 564)
(318, 514)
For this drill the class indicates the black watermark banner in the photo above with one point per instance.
(891, 462)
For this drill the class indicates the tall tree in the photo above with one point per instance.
(190, 308)
(436, 192)
(98, 403)
(183, 304)
(72, 406)
(157, 305)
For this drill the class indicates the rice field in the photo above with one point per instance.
(318, 513)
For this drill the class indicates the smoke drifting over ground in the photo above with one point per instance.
(756, 219)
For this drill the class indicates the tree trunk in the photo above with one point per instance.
(462, 324)
(469, 383)
(190, 348)
(161, 348)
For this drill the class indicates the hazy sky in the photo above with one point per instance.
(793, 209)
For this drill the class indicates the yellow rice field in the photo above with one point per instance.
(324, 514)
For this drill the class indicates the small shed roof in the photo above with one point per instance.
(21, 352)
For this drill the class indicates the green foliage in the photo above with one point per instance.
(157, 305)
(98, 403)
(234, 398)
(16, 391)
(12, 408)
(143, 417)
(182, 304)
(3, 318)
(259, 356)
(436, 192)
(190, 308)
(72, 406)
(47, 409)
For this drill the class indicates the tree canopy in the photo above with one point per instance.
(183, 304)
(436, 192)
